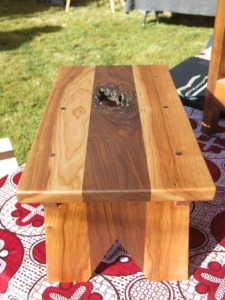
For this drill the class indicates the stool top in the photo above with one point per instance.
(114, 133)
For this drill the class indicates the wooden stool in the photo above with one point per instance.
(215, 93)
(115, 157)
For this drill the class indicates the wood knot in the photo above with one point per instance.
(179, 153)
(78, 112)
(109, 95)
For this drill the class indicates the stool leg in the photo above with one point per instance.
(166, 241)
(124, 222)
(67, 245)
(211, 114)
(155, 234)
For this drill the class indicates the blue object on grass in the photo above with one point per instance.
(209, 44)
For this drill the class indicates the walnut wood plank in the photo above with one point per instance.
(176, 166)
(55, 165)
(124, 221)
(116, 167)
(67, 246)
(166, 241)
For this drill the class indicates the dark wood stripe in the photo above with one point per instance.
(125, 222)
(7, 155)
(116, 166)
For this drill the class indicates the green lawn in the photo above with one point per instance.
(36, 39)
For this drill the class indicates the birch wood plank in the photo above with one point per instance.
(55, 165)
(175, 163)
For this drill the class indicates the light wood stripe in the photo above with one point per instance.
(68, 254)
(55, 166)
(166, 241)
(167, 133)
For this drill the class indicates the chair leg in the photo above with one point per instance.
(67, 6)
(211, 114)
(97, 3)
(112, 5)
(144, 21)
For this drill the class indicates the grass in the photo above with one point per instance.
(36, 39)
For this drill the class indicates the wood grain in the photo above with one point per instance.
(176, 166)
(124, 221)
(55, 165)
(67, 245)
(219, 91)
(115, 166)
(155, 234)
(166, 242)
(115, 160)
(216, 71)
(84, 153)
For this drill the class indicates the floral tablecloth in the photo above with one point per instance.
(22, 246)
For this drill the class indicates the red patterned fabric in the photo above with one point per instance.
(211, 281)
(23, 259)
(29, 214)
